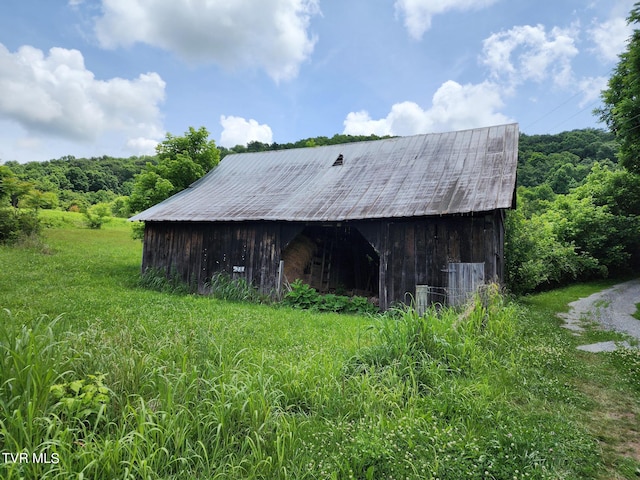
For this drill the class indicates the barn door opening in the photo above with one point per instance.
(464, 280)
(333, 259)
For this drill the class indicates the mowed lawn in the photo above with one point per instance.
(102, 378)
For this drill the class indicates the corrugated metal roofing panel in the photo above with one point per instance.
(433, 174)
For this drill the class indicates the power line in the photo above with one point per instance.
(575, 114)
(551, 111)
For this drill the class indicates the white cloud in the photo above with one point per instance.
(528, 53)
(55, 94)
(270, 34)
(610, 38)
(239, 131)
(142, 146)
(620, 8)
(454, 107)
(591, 87)
(418, 13)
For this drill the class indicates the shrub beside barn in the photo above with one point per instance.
(418, 217)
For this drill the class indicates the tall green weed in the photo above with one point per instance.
(429, 399)
(460, 342)
(304, 296)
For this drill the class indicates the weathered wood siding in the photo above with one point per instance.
(418, 252)
(196, 251)
(411, 252)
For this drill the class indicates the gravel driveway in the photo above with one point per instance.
(611, 308)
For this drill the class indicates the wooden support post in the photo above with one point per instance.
(280, 275)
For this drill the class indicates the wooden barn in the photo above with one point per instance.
(419, 217)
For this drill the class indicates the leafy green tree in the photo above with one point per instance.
(181, 171)
(533, 168)
(150, 188)
(256, 146)
(604, 217)
(14, 223)
(73, 201)
(618, 189)
(181, 161)
(12, 188)
(621, 109)
(535, 256)
(534, 200)
(593, 231)
(78, 179)
(98, 215)
(567, 166)
(101, 180)
(5, 173)
(195, 144)
(101, 196)
(566, 177)
(590, 228)
(120, 207)
(588, 144)
(37, 200)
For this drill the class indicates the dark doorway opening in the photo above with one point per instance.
(333, 259)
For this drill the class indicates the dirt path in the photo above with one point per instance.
(615, 418)
(611, 308)
(614, 421)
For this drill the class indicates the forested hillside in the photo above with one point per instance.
(564, 160)
(577, 217)
(578, 212)
(561, 161)
(78, 181)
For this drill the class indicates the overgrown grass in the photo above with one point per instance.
(198, 387)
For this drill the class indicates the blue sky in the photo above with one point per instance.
(112, 77)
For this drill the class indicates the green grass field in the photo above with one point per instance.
(101, 378)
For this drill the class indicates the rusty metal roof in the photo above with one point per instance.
(433, 174)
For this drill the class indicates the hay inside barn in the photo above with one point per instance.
(333, 259)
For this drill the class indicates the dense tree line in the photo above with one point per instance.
(563, 160)
(304, 143)
(80, 182)
(591, 232)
